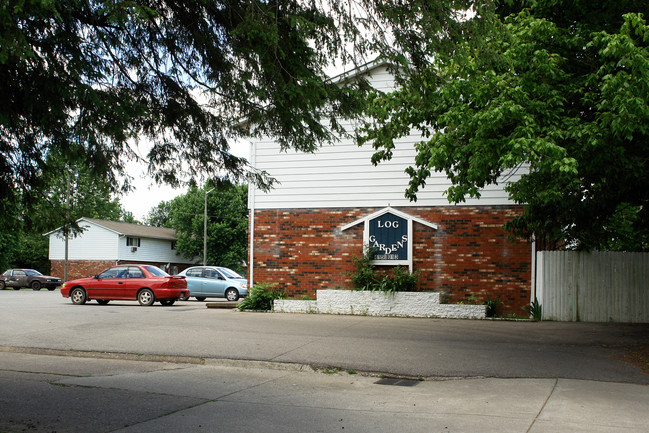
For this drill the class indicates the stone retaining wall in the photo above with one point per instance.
(403, 304)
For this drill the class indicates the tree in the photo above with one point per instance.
(64, 191)
(556, 88)
(92, 77)
(227, 222)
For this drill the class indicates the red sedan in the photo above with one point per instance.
(144, 283)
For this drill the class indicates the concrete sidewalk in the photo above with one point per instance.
(66, 394)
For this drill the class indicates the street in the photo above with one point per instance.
(123, 367)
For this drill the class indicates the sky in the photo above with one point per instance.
(147, 194)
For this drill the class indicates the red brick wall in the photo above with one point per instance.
(303, 250)
(88, 268)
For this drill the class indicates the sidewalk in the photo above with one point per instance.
(66, 394)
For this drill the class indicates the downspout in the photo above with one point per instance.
(533, 291)
(251, 203)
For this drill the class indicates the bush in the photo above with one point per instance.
(492, 306)
(366, 278)
(261, 297)
(534, 309)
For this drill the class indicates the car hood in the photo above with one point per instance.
(239, 280)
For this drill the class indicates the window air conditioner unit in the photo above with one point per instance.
(133, 249)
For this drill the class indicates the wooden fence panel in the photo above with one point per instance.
(593, 287)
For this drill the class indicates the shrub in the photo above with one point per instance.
(367, 278)
(261, 297)
(534, 309)
(492, 306)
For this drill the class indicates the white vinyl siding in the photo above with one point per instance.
(150, 250)
(342, 175)
(100, 243)
(95, 243)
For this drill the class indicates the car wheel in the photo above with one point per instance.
(200, 298)
(168, 302)
(146, 297)
(3, 285)
(103, 301)
(78, 296)
(232, 295)
(36, 285)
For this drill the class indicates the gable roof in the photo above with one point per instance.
(392, 211)
(128, 229)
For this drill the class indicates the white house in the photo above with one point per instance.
(106, 243)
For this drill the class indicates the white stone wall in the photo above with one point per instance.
(295, 306)
(405, 304)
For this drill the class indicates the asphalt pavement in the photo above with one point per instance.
(123, 367)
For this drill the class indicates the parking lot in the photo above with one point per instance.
(396, 346)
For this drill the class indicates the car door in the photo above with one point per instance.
(194, 278)
(134, 281)
(109, 284)
(213, 283)
(19, 279)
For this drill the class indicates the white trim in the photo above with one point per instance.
(410, 218)
(251, 203)
(393, 211)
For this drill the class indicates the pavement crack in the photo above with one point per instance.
(323, 337)
(554, 386)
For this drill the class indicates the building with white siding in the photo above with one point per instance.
(103, 244)
(305, 231)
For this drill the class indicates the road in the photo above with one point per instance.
(234, 372)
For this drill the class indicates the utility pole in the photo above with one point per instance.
(66, 227)
(205, 229)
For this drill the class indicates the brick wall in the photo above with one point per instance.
(303, 250)
(88, 268)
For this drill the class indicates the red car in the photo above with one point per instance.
(144, 283)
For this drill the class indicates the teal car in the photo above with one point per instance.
(214, 282)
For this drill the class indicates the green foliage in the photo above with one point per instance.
(493, 306)
(227, 223)
(261, 297)
(91, 78)
(535, 310)
(367, 278)
(27, 215)
(558, 89)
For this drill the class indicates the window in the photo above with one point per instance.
(173, 245)
(156, 271)
(213, 273)
(132, 242)
(116, 272)
(134, 272)
(195, 272)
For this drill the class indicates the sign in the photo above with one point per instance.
(388, 238)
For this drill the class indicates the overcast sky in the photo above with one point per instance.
(147, 194)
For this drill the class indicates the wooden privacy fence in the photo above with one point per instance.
(593, 287)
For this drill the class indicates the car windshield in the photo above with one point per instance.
(156, 272)
(230, 273)
(32, 272)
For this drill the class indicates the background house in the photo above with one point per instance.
(106, 243)
(304, 232)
